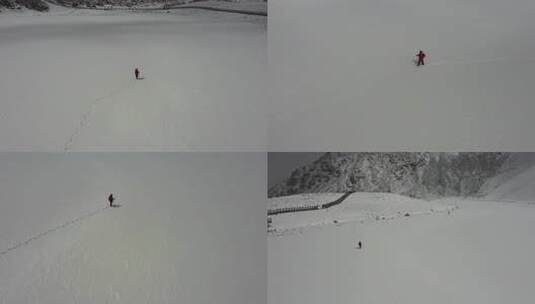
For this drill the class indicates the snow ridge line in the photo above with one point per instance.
(309, 208)
(85, 117)
(365, 218)
(227, 10)
(42, 234)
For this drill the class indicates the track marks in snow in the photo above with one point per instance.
(51, 230)
(85, 117)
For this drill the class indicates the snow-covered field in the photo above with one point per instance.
(67, 81)
(343, 77)
(450, 250)
(358, 207)
(247, 5)
(180, 235)
(305, 199)
(481, 253)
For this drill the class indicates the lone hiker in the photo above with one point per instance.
(359, 246)
(136, 73)
(421, 57)
(111, 199)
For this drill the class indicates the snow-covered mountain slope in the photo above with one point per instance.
(478, 250)
(358, 207)
(68, 82)
(343, 77)
(463, 251)
(516, 182)
(481, 253)
(413, 174)
(180, 235)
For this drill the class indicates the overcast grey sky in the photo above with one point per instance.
(281, 164)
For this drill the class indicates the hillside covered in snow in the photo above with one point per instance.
(361, 207)
(420, 175)
(451, 249)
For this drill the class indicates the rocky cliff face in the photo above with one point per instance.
(108, 3)
(421, 175)
(37, 5)
(41, 5)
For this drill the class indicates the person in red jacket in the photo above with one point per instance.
(136, 72)
(421, 56)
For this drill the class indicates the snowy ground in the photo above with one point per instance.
(358, 207)
(180, 235)
(481, 251)
(299, 200)
(67, 81)
(343, 78)
(516, 183)
(251, 5)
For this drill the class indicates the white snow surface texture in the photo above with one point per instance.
(343, 76)
(180, 235)
(451, 250)
(67, 81)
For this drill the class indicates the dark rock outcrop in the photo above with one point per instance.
(37, 5)
(421, 175)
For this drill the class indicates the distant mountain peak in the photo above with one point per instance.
(415, 174)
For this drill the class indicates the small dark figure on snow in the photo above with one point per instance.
(421, 57)
(359, 246)
(136, 72)
(111, 199)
